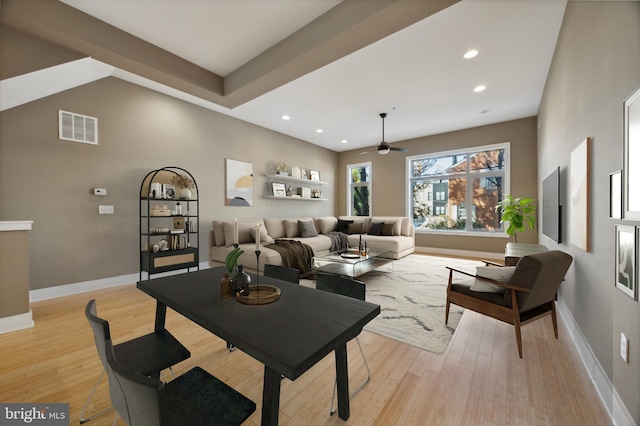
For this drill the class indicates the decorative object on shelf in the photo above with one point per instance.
(517, 211)
(580, 190)
(281, 169)
(241, 280)
(304, 192)
(184, 184)
(303, 174)
(314, 175)
(239, 183)
(169, 191)
(315, 193)
(296, 172)
(278, 189)
(290, 191)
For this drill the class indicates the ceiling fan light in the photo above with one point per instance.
(384, 151)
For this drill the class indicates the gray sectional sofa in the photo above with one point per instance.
(391, 233)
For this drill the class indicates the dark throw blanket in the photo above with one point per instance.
(294, 255)
(339, 240)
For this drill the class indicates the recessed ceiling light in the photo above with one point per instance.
(319, 131)
(286, 117)
(471, 54)
(480, 88)
(344, 141)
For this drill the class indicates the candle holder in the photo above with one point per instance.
(258, 275)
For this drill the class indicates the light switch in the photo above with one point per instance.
(99, 191)
(105, 209)
(624, 347)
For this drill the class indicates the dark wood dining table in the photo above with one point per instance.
(288, 336)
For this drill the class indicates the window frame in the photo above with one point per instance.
(350, 185)
(469, 175)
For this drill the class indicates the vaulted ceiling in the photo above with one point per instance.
(328, 65)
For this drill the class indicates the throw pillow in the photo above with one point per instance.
(387, 228)
(376, 228)
(291, 227)
(307, 229)
(326, 224)
(343, 225)
(355, 228)
(497, 273)
(264, 237)
(244, 232)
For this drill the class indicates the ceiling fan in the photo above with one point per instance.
(384, 147)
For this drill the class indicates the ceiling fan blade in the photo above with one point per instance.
(399, 149)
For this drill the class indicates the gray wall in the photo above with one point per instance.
(595, 67)
(389, 177)
(49, 181)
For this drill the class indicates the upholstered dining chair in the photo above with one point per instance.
(516, 295)
(147, 355)
(283, 273)
(193, 398)
(349, 287)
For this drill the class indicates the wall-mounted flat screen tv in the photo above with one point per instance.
(551, 207)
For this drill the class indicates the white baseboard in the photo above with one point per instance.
(618, 413)
(465, 253)
(16, 322)
(83, 287)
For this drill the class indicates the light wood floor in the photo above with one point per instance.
(478, 380)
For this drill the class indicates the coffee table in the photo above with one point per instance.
(351, 264)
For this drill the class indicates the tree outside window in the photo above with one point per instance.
(458, 190)
(359, 201)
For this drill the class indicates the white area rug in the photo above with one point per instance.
(412, 299)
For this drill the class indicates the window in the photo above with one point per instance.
(458, 190)
(359, 189)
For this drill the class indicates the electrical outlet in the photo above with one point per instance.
(105, 209)
(624, 347)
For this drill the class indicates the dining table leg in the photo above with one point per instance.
(161, 315)
(342, 378)
(271, 397)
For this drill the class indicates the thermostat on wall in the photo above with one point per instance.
(99, 191)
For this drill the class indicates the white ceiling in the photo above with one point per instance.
(417, 75)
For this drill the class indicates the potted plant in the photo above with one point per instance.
(518, 212)
(226, 284)
(184, 184)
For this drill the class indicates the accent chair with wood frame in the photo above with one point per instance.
(527, 295)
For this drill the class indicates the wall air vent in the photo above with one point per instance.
(77, 128)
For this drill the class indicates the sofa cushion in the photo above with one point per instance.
(497, 273)
(343, 225)
(376, 228)
(275, 227)
(307, 228)
(264, 237)
(291, 228)
(218, 233)
(403, 224)
(324, 225)
(387, 229)
(355, 228)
